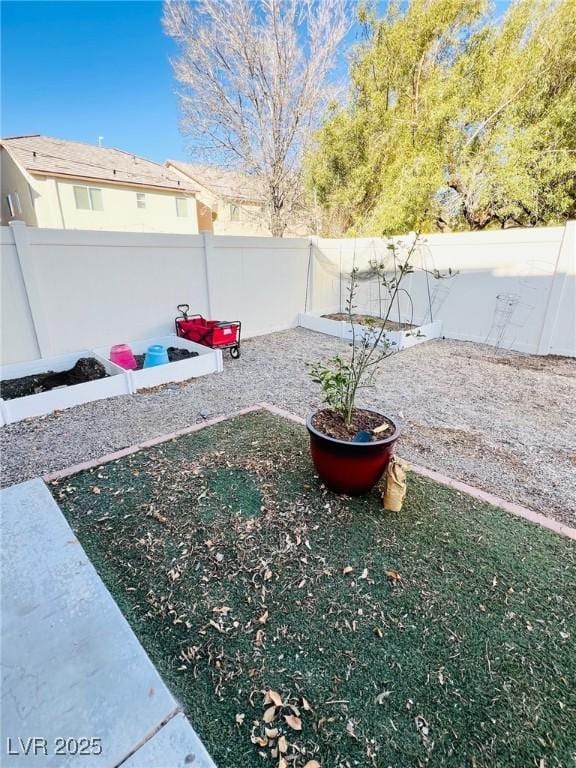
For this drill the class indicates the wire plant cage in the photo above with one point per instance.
(373, 260)
(502, 319)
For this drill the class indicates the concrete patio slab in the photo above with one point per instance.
(175, 745)
(77, 686)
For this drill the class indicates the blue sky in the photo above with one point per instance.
(82, 69)
(79, 69)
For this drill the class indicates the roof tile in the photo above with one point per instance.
(229, 184)
(46, 156)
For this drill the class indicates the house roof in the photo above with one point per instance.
(230, 185)
(44, 156)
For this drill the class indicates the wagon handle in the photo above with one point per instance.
(183, 309)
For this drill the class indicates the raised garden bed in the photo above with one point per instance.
(397, 336)
(391, 325)
(84, 370)
(442, 635)
(175, 355)
(42, 386)
(203, 361)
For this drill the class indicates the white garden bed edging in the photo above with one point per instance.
(342, 329)
(117, 383)
(208, 361)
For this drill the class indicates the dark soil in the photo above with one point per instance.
(174, 355)
(390, 325)
(86, 369)
(564, 366)
(332, 424)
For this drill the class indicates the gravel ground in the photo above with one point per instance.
(499, 420)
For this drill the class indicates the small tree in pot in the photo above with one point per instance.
(351, 446)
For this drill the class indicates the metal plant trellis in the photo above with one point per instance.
(506, 304)
(379, 265)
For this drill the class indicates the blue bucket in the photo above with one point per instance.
(156, 354)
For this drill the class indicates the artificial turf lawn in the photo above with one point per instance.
(466, 660)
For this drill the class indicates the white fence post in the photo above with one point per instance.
(208, 239)
(564, 266)
(33, 292)
(311, 274)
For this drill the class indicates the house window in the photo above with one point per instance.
(10, 204)
(140, 200)
(234, 212)
(88, 198)
(181, 206)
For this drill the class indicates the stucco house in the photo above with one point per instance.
(229, 202)
(61, 184)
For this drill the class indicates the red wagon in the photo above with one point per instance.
(218, 334)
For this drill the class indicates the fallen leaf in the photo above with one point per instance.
(282, 763)
(347, 570)
(393, 576)
(275, 698)
(422, 727)
(267, 575)
(283, 744)
(240, 718)
(271, 733)
(259, 639)
(96, 490)
(294, 722)
(364, 574)
(306, 705)
(381, 696)
(264, 618)
(312, 764)
(269, 714)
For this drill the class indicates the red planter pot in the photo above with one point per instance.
(347, 467)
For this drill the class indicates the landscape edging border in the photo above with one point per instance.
(515, 509)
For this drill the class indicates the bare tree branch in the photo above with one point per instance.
(254, 76)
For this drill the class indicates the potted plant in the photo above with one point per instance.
(351, 446)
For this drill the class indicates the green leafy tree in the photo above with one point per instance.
(455, 119)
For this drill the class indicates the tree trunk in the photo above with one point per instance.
(277, 223)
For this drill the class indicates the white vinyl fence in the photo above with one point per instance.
(65, 290)
(512, 288)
